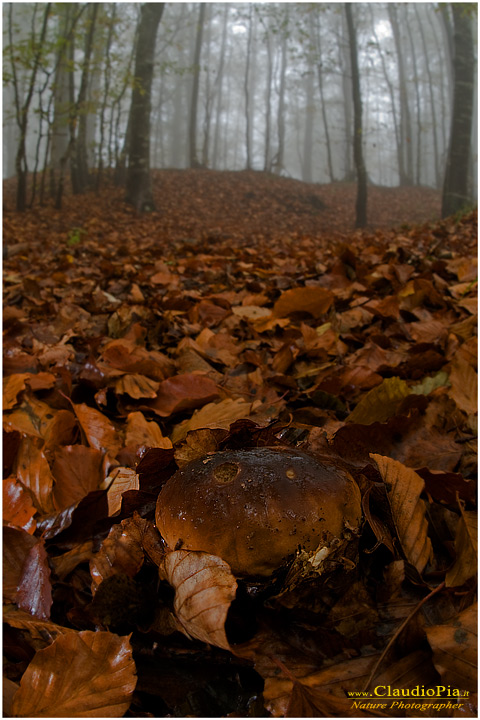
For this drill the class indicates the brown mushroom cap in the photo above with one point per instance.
(253, 508)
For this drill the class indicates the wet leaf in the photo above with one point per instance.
(99, 682)
(204, 589)
(404, 488)
(18, 509)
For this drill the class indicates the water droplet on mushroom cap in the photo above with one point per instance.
(253, 508)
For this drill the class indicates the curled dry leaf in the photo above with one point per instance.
(466, 548)
(204, 589)
(198, 443)
(404, 487)
(99, 682)
(120, 552)
(454, 646)
(136, 386)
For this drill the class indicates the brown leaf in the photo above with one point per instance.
(98, 429)
(464, 388)
(64, 564)
(26, 573)
(34, 472)
(121, 480)
(12, 387)
(33, 417)
(99, 682)
(77, 471)
(17, 506)
(380, 403)
(125, 355)
(140, 431)
(313, 300)
(183, 392)
(204, 589)
(404, 488)
(120, 552)
(322, 691)
(454, 646)
(198, 443)
(37, 629)
(466, 549)
(214, 415)
(136, 386)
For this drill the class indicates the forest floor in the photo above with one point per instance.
(244, 312)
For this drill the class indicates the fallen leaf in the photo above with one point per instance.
(140, 431)
(99, 431)
(204, 589)
(404, 488)
(183, 392)
(77, 471)
(454, 646)
(466, 550)
(120, 552)
(99, 682)
(121, 480)
(18, 509)
(380, 403)
(313, 300)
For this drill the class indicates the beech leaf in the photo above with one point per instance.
(404, 488)
(313, 300)
(204, 589)
(454, 646)
(380, 403)
(85, 674)
(120, 552)
(466, 548)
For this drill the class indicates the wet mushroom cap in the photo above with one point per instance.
(254, 508)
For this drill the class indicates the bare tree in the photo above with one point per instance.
(138, 185)
(455, 187)
(361, 204)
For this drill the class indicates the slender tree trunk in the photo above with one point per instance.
(195, 88)
(432, 99)
(406, 158)
(138, 185)
(455, 187)
(323, 104)
(418, 104)
(219, 89)
(361, 204)
(345, 65)
(246, 86)
(106, 89)
(279, 160)
(23, 110)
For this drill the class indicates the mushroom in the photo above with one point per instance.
(255, 508)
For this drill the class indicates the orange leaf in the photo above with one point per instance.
(34, 472)
(121, 480)
(404, 487)
(183, 392)
(204, 589)
(12, 387)
(77, 471)
(99, 682)
(98, 429)
(313, 300)
(142, 432)
(17, 506)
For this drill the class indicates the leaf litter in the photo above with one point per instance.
(239, 315)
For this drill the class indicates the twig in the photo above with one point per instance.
(399, 630)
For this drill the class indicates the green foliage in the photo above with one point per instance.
(75, 236)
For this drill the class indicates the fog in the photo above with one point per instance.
(262, 86)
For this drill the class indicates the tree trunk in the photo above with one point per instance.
(455, 187)
(138, 185)
(279, 160)
(196, 82)
(361, 204)
(405, 169)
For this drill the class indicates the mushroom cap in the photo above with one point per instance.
(254, 508)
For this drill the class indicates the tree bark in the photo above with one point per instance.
(455, 187)
(361, 203)
(196, 82)
(138, 185)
